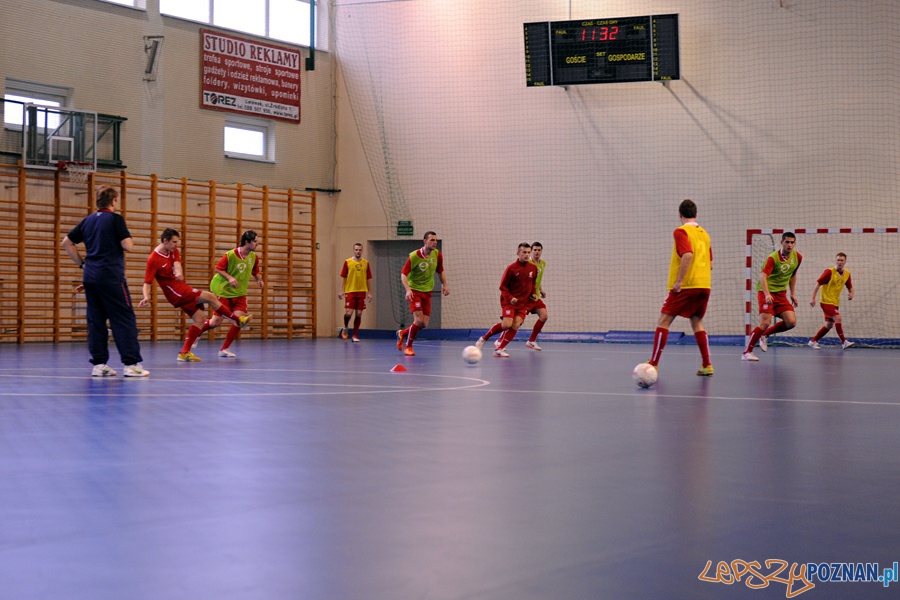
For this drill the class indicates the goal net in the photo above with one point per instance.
(873, 258)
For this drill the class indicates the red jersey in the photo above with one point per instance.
(162, 268)
(518, 282)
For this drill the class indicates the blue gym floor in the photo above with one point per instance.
(307, 469)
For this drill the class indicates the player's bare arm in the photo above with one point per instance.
(764, 283)
(444, 289)
(179, 272)
(792, 284)
(145, 301)
(405, 282)
(815, 294)
(686, 259)
(231, 280)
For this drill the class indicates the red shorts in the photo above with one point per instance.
(355, 301)
(538, 304)
(509, 311)
(831, 311)
(235, 304)
(686, 303)
(184, 297)
(780, 303)
(421, 301)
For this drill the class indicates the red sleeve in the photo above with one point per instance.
(176, 255)
(440, 264)
(255, 270)
(222, 265)
(368, 271)
(849, 283)
(799, 260)
(769, 266)
(682, 242)
(504, 287)
(824, 277)
(150, 271)
(406, 268)
(344, 270)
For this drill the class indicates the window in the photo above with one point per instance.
(249, 138)
(283, 20)
(18, 93)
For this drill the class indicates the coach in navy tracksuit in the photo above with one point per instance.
(106, 240)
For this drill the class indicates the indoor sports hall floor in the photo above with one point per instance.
(308, 469)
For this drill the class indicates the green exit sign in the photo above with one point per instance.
(404, 228)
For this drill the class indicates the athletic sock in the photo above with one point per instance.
(754, 337)
(192, 335)
(233, 332)
(493, 331)
(507, 337)
(206, 327)
(537, 329)
(840, 331)
(226, 312)
(660, 337)
(703, 344)
(413, 330)
(776, 328)
(820, 334)
(356, 323)
(346, 321)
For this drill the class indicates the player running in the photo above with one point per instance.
(417, 277)
(538, 308)
(229, 284)
(517, 297)
(779, 273)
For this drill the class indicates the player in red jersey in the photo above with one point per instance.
(517, 297)
(164, 264)
(690, 282)
(832, 282)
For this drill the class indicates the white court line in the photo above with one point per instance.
(651, 394)
(366, 389)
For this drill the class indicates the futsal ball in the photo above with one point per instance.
(644, 375)
(471, 354)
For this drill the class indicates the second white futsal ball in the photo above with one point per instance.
(471, 354)
(644, 375)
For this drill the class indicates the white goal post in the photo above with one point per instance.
(873, 258)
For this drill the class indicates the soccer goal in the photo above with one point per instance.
(872, 318)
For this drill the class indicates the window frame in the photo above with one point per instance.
(321, 15)
(256, 124)
(41, 92)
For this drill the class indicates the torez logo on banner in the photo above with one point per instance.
(249, 77)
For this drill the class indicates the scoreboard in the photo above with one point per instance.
(602, 50)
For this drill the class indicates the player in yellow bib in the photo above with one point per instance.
(229, 284)
(539, 308)
(832, 282)
(355, 274)
(690, 282)
(417, 277)
(778, 275)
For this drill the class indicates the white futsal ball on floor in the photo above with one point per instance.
(471, 354)
(644, 375)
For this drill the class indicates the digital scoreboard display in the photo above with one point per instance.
(602, 50)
